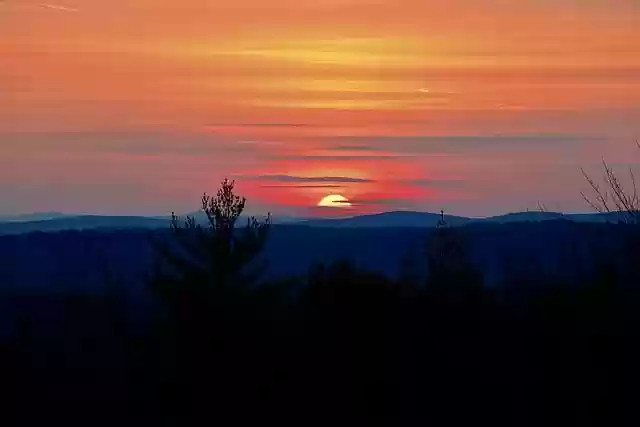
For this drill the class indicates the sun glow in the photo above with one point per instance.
(334, 201)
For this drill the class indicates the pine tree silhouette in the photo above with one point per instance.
(215, 255)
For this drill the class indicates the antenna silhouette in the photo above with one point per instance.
(441, 221)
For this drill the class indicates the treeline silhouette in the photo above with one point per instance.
(339, 344)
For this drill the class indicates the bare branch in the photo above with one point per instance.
(600, 204)
(627, 203)
(542, 207)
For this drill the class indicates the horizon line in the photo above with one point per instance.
(312, 217)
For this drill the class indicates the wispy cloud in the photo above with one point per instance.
(372, 202)
(433, 183)
(310, 186)
(59, 7)
(338, 158)
(315, 179)
(341, 182)
(258, 125)
(450, 144)
(352, 147)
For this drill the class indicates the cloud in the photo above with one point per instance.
(59, 7)
(338, 182)
(429, 144)
(320, 186)
(313, 157)
(303, 179)
(134, 143)
(384, 203)
(351, 147)
(259, 125)
(433, 183)
(363, 202)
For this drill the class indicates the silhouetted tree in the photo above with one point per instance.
(616, 198)
(626, 203)
(202, 258)
(207, 326)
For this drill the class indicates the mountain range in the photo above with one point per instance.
(53, 221)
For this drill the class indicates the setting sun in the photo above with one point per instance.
(334, 201)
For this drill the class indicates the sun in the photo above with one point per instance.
(334, 201)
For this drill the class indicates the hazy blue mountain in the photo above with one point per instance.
(81, 223)
(46, 222)
(389, 219)
(37, 216)
(532, 216)
(611, 217)
(537, 216)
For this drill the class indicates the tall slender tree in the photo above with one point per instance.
(205, 268)
(200, 259)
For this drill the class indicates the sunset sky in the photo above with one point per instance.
(477, 107)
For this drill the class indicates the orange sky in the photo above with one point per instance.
(475, 107)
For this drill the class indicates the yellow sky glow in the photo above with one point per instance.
(198, 79)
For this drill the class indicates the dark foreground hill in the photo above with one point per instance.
(344, 343)
(86, 259)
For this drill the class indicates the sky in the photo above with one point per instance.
(474, 107)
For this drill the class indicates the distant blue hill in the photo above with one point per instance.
(86, 222)
(38, 216)
(537, 216)
(389, 219)
(51, 222)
